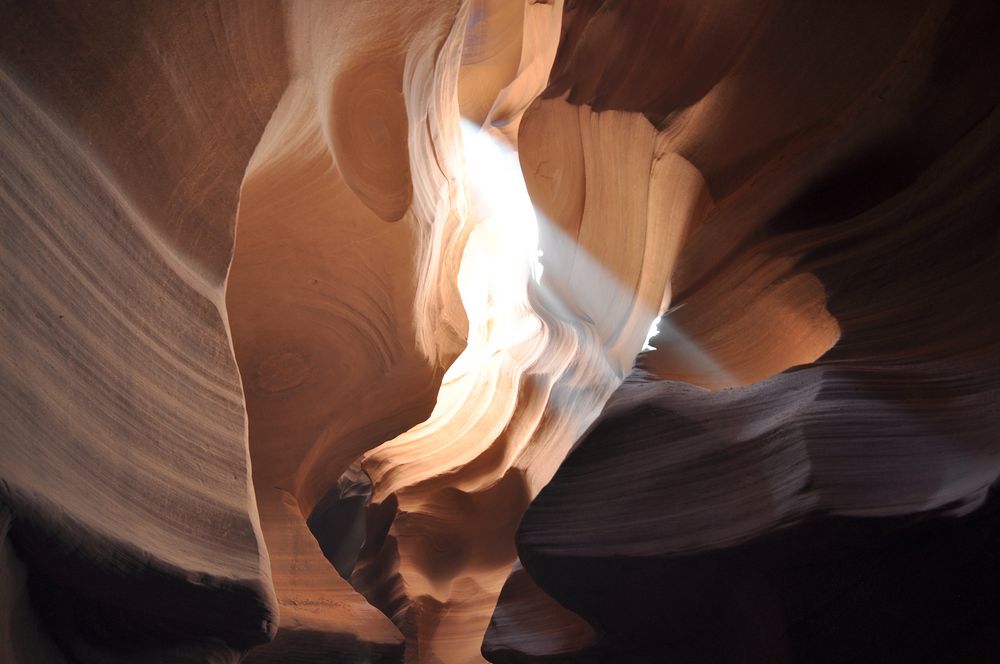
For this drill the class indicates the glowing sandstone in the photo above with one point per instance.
(454, 222)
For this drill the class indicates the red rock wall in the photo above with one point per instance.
(323, 331)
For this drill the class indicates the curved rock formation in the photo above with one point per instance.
(320, 320)
(528, 625)
(124, 463)
(543, 353)
(334, 248)
(791, 514)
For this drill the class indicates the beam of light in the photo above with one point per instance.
(541, 360)
(654, 329)
(670, 335)
(501, 255)
(593, 328)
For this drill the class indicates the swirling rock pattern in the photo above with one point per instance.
(786, 518)
(124, 463)
(323, 331)
(334, 246)
(528, 625)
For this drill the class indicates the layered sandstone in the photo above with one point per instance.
(817, 420)
(324, 331)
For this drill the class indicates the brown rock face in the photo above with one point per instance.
(528, 625)
(323, 331)
(322, 290)
(839, 510)
(124, 465)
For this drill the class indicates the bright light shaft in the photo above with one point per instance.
(493, 172)
(654, 329)
(501, 254)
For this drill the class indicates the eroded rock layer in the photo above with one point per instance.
(432, 236)
(124, 464)
(545, 349)
(339, 294)
(528, 625)
(837, 511)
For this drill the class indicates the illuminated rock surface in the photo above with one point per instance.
(124, 461)
(834, 512)
(321, 319)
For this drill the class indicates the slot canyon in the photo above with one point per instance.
(511, 331)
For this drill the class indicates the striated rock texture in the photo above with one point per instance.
(545, 349)
(530, 626)
(323, 331)
(124, 470)
(341, 295)
(839, 510)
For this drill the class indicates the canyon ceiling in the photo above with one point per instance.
(326, 331)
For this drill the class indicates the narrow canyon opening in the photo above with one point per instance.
(486, 330)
